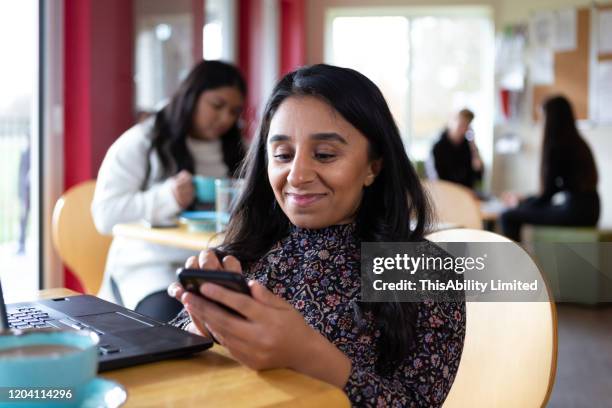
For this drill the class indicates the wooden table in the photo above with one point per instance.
(214, 379)
(178, 237)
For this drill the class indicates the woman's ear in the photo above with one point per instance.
(374, 169)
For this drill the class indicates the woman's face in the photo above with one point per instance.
(216, 112)
(318, 163)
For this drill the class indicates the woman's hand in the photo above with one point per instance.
(272, 333)
(511, 199)
(182, 189)
(206, 260)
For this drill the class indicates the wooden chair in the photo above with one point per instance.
(454, 204)
(510, 352)
(82, 248)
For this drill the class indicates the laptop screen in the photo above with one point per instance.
(3, 318)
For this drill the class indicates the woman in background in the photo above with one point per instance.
(567, 166)
(327, 172)
(147, 176)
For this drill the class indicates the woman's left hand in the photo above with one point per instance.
(272, 333)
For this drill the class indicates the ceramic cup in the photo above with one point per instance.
(46, 368)
(204, 188)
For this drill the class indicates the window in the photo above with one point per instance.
(357, 43)
(219, 38)
(19, 241)
(163, 51)
(428, 64)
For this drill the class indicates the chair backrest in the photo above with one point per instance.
(82, 248)
(510, 352)
(454, 203)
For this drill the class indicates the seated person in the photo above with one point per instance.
(326, 172)
(147, 175)
(567, 167)
(455, 156)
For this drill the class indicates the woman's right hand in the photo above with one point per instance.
(511, 199)
(206, 260)
(182, 188)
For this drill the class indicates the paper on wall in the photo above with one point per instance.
(605, 32)
(542, 66)
(565, 30)
(542, 30)
(510, 58)
(604, 92)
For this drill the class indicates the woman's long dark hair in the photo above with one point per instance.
(388, 205)
(174, 122)
(561, 137)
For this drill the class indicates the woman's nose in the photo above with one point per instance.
(228, 118)
(302, 170)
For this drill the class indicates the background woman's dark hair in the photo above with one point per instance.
(388, 206)
(173, 123)
(562, 141)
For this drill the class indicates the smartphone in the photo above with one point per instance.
(192, 279)
(161, 224)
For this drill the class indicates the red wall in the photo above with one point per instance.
(98, 85)
(292, 35)
(77, 91)
(197, 10)
(249, 36)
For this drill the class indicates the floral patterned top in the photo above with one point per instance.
(318, 272)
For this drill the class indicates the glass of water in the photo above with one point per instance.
(226, 193)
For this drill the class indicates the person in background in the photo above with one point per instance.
(147, 176)
(327, 172)
(455, 156)
(567, 167)
(23, 191)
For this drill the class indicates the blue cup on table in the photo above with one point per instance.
(46, 368)
(204, 188)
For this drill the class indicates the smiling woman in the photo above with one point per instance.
(318, 163)
(327, 172)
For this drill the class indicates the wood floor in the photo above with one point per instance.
(584, 369)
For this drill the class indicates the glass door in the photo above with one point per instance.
(19, 240)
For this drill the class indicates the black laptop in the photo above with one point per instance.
(126, 338)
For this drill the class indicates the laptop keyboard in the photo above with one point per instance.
(28, 317)
(33, 318)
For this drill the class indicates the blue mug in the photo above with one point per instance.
(204, 188)
(46, 367)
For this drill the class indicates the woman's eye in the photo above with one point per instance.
(324, 156)
(282, 156)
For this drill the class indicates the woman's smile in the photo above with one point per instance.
(304, 200)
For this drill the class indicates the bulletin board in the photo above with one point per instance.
(571, 71)
(575, 70)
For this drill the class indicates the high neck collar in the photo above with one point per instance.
(339, 231)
